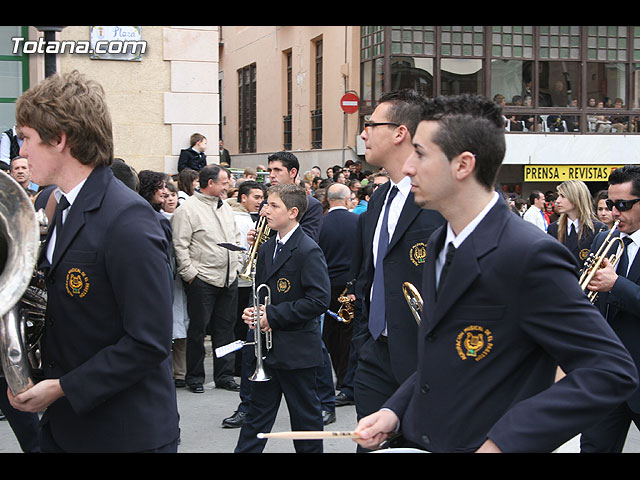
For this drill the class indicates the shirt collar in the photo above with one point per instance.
(471, 226)
(284, 239)
(404, 186)
(71, 195)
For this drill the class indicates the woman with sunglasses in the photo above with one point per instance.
(577, 225)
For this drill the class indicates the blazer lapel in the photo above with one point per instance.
(409, 212)
(284, 255)
(465, 267)
(89, 198)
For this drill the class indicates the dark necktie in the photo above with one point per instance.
(279, 246)
(63, 204)
(623, 266)
(377, 310)
(451, 250)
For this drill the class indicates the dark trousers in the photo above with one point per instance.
(373, 383)
(240, 328)
(300, 392)
(214, 307)
(609, 435)
(337, 337)
(24, 424)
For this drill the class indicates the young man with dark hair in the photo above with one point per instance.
(393, 235)
(488, 346)
(299, 295)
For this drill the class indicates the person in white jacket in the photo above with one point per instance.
(535, 213)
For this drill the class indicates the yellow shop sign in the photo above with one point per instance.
(561, 173)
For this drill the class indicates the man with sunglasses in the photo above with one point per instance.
(619, 302)
(385, 333)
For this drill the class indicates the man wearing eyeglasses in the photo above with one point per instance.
(619, 302)
(394, 233)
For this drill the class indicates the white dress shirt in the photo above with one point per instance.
(71, 197)
(462, 236)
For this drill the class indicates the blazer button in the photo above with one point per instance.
(425, 439)
(425, 388)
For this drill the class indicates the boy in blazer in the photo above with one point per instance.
(299, 295)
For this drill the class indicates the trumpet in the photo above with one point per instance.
(594, 261)
(414, 299)
(259, 374)
(262, 235)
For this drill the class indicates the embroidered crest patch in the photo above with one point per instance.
(474, 342)
(77, 283)
(283, 285)
(418, 253)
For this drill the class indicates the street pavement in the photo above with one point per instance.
(201, 416)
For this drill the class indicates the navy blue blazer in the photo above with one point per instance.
(338, 238)
(403, 262)
(580, 249)
(621, 308)
(109, 323)
(300, 293)
(189, 158)
(508, 313)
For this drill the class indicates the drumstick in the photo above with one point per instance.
(309, 435)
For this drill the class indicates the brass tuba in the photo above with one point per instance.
(594, 261)
(22, 297)
(262, 235)
(414, 299)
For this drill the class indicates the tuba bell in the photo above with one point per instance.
(22, 294)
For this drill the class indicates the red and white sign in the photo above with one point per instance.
(350, 103)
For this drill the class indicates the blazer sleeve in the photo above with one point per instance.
(311, 222)
(600, 373)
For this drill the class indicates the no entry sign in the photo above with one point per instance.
(349, 103)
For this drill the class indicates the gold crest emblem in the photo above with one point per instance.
(584, 253)
(418, 253)
(283, 285)
(474, 342)
(77, 283)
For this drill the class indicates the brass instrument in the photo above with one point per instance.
(594, 261)
(346, 311)
(259, 374)
(262, 235)
(22, 294)
(414, 299)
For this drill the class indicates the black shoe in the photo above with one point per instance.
(342, 400)
(328, 417)
(230, 385)
(235, 420)
(180, 383)
(196, 388)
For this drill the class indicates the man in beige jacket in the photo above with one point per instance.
(210, 274)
